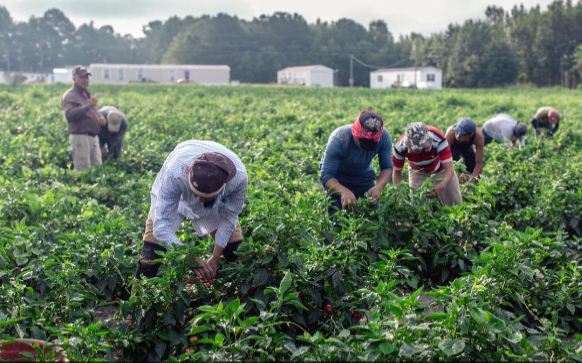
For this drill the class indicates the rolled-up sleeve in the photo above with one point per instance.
(398, 156)
(167, 219)
(331, 159)
(229, 212)
(385, 153)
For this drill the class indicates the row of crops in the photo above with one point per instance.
(497, 278)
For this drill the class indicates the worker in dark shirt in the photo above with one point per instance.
(546, 118)
(461, 138)
(113, 133)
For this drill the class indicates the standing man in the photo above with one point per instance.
(83, 121)
(206, 183)
(546, 118)
(428, 156)
(345, 167)
(503, 128)
(113, 134)
(461, 138)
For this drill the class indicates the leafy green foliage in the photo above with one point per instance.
(496, 278)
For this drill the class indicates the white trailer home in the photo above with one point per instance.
(160, 73)
(310, 76)
(419, 77)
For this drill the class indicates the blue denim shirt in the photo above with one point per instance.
(344, 156)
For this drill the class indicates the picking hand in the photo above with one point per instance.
(213, 263)
(439, 188)
(349, 200)
(464, 178)
(374, 196)
(204, 272)
(104, 153)
(102, 121)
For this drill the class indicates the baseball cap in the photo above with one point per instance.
(417, 136)
(209, 174)
(553, 117)
(465, 126)
(114, 119)
(80, 71)
(521, 128)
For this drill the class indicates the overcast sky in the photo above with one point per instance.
(402, 17)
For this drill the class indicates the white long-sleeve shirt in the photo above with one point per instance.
(172, 200)
(501, 127)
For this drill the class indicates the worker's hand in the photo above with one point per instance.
(464, 178)
(439, 188)
(374, 195)
(349, 200)
(104, 153)
(92, 102)
(213, 263)
(102, 121)
(204, 272)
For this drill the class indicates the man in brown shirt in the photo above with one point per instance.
(83, 121)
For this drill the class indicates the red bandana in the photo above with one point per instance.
(371, 123)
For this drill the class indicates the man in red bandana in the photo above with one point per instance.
(345, 167)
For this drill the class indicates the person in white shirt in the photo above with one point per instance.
(504, 128)
(206, 183)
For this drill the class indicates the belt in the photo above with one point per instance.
(84, 133)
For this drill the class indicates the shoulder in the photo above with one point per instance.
(386, 135)
(450, 133)
(343, 134)
(399, 146)
(479, 137)
(69, 94)
(435, 133)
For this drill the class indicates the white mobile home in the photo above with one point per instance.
(160, 73)
(63, 75)
(310, 76)
(421, 77)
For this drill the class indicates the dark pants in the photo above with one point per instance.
(359, 185)
(147, 267)
(488, 138)
(465, 151)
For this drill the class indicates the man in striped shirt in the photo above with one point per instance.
(428, 156)
(206, 183)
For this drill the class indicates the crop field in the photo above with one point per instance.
(498, 278)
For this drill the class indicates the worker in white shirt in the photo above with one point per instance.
(504, 128)
(206, 183)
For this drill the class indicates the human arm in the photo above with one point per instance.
(73, 109)
(447, 162)
(397, 176)
(229, 210)
(449, 172)
(386, 167)
(479, 146)
(329, 165)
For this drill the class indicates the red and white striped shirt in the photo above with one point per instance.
(430, 162)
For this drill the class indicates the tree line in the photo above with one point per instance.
(522, 45)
